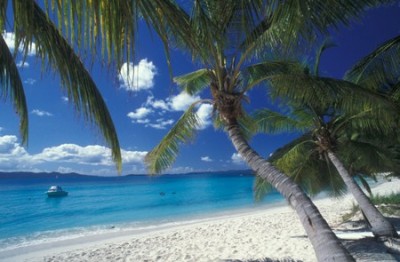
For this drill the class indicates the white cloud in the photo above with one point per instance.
(138, 77)
(161, 123)
(143, 121)
(22, 64)
(9, 38)
(30, 81)
(14, 157)
(65, 99)
(41, 113)
(133, 157)
(237, 159)
(206, 159)
(157, 104)
(71, 153)
(204, 114)
(139, 113)
(182, 101)
(177, 103)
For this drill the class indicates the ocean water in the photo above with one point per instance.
(108, 204)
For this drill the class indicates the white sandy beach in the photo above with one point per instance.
(271, 233)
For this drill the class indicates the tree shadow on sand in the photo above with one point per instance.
(371, 248)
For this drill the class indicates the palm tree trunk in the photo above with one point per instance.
(326, 245)
(380, 226)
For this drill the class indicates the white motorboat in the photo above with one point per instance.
(56, 191)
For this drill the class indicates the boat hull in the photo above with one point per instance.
(57, 194)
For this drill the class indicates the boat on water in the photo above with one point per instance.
(56, 191)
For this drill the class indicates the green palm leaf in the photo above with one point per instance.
(111, 26)
(165, 153)
(76, 80)
(272, 122)
(292, 22)
(194, 82)
(12, 87)
(261, 188)
(257, 73)
(378, 68)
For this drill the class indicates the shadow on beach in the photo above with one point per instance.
(363, 249)
(371, 248)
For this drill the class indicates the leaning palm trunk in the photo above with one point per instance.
(326, 245)
(380, 226)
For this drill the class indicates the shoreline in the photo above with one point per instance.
(244, 234)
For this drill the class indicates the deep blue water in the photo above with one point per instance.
(101, 203)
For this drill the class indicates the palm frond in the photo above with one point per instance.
(247, 125)
(272, 122)
(295, 22)
(261, 188)
(395, 92)
(379, 68)
(194, 82)
(300, 160)
(368, 157)
(365, 184)
(12, 88)
(323, 93)
(257, 73)
(325, 45)
(164, 154)
(110, 28)
(285, 158)
(33, 24)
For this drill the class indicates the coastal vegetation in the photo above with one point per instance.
(389, 205)
(225, 54)
(235, 43)
(340, 131)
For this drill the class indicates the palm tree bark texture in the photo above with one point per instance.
(380, 226)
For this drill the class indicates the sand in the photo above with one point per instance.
(274, 233)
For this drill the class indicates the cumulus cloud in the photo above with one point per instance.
(237, 159)
(161, 123)
(204, 114)
(137, 77)
(41, 113)
(206, 159)
(139, 113)
(177, 103)
(9, 38)
(133, 157)
(157, 104)
(65, 99)
(182, 101)
(13, 157)
(92, 154)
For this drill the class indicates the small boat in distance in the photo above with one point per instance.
(56, 191)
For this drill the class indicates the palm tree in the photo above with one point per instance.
(331, 130)
(31, 24)
(228, 36)
(317, 165)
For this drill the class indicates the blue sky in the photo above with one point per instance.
(144, 110)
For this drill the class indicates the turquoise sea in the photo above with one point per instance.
(101, 204)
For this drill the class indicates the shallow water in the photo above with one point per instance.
(98, 204)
